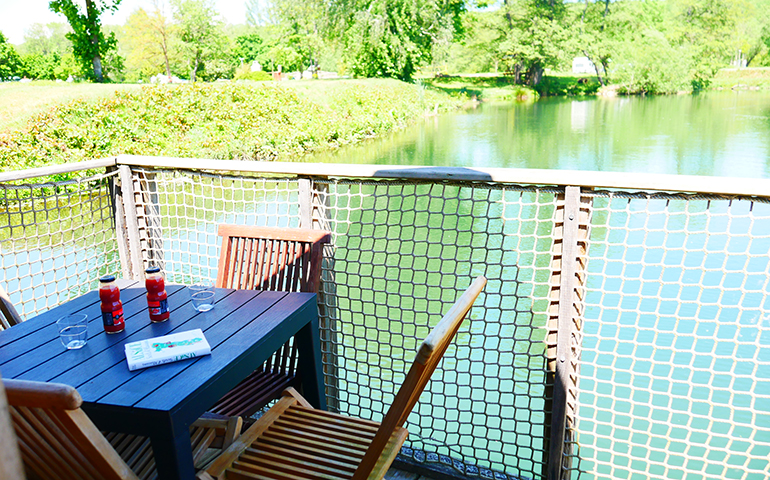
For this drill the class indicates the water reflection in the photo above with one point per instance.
(716, 134)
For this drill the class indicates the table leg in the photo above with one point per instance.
(173, 452)
(310, 366)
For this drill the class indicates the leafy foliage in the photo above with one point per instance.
(392, 38)
(10, 62)
(149, 38)
(232, 121)
(532, 37)
(89, 44)
(202, 40)
(245, 73)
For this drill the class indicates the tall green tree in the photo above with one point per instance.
(89, 43)
(257, 13)
(392, 38)
(10, 62)
(533, 36)
(200, 32)
(148, 39)
(46, 39)
(300, 28)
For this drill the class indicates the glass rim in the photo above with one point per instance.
(72, 318)
(203, 294)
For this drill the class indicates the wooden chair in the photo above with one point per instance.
(58, 441)
(277, 259)
(10, 458)
(8, 314)
(292, 440)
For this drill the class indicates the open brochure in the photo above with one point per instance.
(166, 349)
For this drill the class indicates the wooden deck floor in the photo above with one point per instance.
(394, 474)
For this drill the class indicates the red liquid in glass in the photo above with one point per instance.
(112, 308)
(157, 298)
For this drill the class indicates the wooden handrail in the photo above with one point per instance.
(731, 186)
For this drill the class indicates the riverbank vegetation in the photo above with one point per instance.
(243, 120)
(626, 46)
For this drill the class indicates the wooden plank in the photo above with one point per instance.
(7, 310)
(121, 228)
(569, 264)
(56, 169)
(132, 227)
(616, 180)
(305, 203)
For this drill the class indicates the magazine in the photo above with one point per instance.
(166, 349)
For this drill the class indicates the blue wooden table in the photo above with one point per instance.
(244, 329)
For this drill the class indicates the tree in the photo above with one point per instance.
(46, 39)
(89, 43)
(148, 40)
(199, 30)
(300, 27)
(533, 37)
(257, 13)
(10, 62)
(392, 38)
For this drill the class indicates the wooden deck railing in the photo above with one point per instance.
(618, 306)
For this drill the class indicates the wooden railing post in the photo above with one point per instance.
(565, 327)
(313, 205)
(126, 221)
(149, 221)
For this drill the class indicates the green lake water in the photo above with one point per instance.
(715, 133)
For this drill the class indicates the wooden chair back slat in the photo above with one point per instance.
(43, 430)
(279, 259)
(427, 359)
(8, 314)
(10, 456)
(266, 258)
(56, 439)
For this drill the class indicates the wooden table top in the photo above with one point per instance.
(32, 350)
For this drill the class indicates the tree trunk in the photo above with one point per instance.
(596, 68)
(508, 14)
(98, 68)
(93, 19)
(168, 67)
(534, 75)
(194, 72)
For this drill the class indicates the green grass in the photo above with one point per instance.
(20, 101)
(481, 87)
(742, 78)
(233, 120)
(493, 87)
(569, 84)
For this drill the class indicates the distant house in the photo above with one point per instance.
(582, 65)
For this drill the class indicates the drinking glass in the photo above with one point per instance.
(73, 330)
(202, 297)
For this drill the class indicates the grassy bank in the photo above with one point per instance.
(20, 101)
(742, 78)
(502, 87)
(249, 121)
(480, 87)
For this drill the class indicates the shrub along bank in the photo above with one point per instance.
(244, 120)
